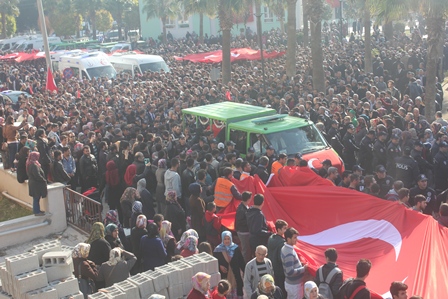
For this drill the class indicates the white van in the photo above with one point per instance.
(37, 43)
(138, 63)
(86, 65)
(55, 55)
(9, 43)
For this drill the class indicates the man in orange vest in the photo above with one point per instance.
(246, 170)
(277, 165)
(225, 190)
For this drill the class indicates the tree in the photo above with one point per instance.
(10, 25)
(89, 7)
(65, 23)
(202, 7)
(316, 11)
(104, 20)
(8, 7)
(306, 30)
(162, 9)
(227, 9)
(278, 7)
(292, 39)
(368, 64)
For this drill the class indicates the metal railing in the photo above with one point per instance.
(81, 211)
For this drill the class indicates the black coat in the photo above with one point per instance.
(37, 184)
(99, 251)
(176, 215)
(237, 265)
(22, 176)
(59, 174)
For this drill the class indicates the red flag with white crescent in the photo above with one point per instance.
(51, 85)
(402, 244)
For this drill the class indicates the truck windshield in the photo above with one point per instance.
(102, 71)
(154, 67)
(303, 140)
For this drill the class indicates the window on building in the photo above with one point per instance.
(268, 15)
(170, 22)
(183, 21)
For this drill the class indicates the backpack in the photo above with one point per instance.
(342, 294)
(324, 286)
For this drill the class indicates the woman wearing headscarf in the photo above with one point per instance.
(127, 201)
(201, 286)
(197, 209)
(183, 238)
(82, 266)
(311, 291)
(190, 247)
(21, 165)
(137, 208)
(117, 268)
(99, 247)
(146, 199)
(112, 236)
(231, 262)
(136, 235)
(160, 189)
(168, 239)
(37, 182)
(152, 249)
(129, 175)
(112, 217)
(267, 287)
(175, 214)
(113, 185)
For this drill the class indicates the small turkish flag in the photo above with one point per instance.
(51, 86)
(228, 96)
(78, 94)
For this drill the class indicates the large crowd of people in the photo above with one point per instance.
(165, 180)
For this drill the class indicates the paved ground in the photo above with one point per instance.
(69, 237)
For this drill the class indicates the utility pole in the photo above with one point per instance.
(43, 30)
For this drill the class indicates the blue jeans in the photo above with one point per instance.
(36, 204)
(12, 147)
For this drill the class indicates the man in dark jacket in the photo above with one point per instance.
(241, 227)
(406, 169)
(330, 268)
(379, 150)
(261, 170)
(357, 286)
(366, 151)
(256, 221)
(187, 178)
(275, 244)
(88, 169)
(429, 193)
(59, 174)
(441, 168)
(349, 147)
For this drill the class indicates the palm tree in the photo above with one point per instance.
(7, 7)
(162, 9)
(227, 9)
(305, 24)
(368, 64)
(292, 39)
(315, 11)
(278, 7)
(202, 7)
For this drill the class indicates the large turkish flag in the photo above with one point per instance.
(235, 54)
(403, 245)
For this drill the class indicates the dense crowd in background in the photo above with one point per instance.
(124, 142)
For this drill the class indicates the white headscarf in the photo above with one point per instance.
(115, 256)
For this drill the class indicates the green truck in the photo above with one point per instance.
(258, 127)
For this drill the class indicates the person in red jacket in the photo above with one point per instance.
(212, 225)
(201, 286)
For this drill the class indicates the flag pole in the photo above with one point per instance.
(43, 30)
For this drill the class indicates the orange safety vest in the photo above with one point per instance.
(276, 167)
(243, 176)
(223, 194)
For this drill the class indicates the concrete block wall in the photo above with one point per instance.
(42, 248)
(211, 262)
(98, 295)
(160, 280)
(144, 284)
(174, 276)
(66, 286)
(58, 272)
(29, 281)
(156, 296)
(216, 277)
(116, 293)
(131, 290)
(175, 291)
(186, 272)
(43, 293)
(22, 263)
(78, 295)
(57, 258)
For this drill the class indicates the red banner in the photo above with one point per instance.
(403, 245)
(235, 54)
